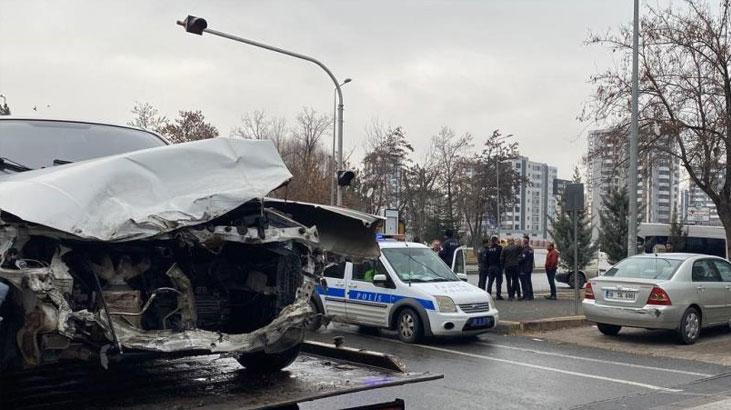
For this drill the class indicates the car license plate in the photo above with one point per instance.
(620, 294)
(480, 321)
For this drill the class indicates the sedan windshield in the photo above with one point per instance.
(38, 143)
(418, 265)
(645, 268)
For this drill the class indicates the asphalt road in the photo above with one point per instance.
(495, 371)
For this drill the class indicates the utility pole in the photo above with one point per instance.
(633, 136)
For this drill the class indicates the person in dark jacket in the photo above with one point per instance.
(449, 245)
(482, 281)
(510, 261)
(526, 270)
(494, 268)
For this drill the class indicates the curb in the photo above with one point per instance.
(510, 327)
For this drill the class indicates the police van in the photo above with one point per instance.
(408, 289)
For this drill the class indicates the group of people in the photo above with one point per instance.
(516, 260)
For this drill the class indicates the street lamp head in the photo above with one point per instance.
(194, 24)
(347, 80)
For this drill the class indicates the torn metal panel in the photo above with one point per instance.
(342, 231)
(145, 193)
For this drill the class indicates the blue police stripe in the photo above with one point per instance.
(371, 296)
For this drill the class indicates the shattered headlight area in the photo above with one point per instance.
(235, 285)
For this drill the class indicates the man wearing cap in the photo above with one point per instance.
(491, 262)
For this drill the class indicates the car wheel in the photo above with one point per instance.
(314, 322)
(690, 326)
(609, 330)
(582, 280)
(261, 362)
(409, 326)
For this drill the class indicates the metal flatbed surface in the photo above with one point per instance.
(193, 382)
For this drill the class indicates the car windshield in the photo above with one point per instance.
(38, 143)
(645, 268)
(418, 265)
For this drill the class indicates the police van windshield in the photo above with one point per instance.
(34, 144)
(418, 265)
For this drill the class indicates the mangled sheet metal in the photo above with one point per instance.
(170, 249)
(145, 193)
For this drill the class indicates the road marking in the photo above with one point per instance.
(589, 359)
(552, 369)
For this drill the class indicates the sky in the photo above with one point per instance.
(520, 66)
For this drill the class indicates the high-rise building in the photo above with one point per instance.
(535, 201)
(697, 207)
(658, 180)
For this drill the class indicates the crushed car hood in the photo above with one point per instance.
(145, 193)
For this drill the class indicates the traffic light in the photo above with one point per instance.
(345, 177)
(195, 25)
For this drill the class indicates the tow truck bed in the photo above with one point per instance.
(205, 381)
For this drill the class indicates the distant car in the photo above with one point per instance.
(596, 267)
(676, 291)
(408, 289)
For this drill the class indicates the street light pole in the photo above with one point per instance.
(334, 176)
(197, 25)
(634, 131)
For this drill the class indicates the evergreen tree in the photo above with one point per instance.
(677, 235)
(614, 227)
(562, 231)
(4, 109)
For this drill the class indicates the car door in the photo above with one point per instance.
(333, 295)
(368, 304)
(711, 291)
(459, 261)
(724, 269)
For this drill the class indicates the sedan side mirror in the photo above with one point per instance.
(462, 276)
(380, 280)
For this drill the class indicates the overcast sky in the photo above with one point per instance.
(516, 65)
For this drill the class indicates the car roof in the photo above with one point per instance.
(30, 118)
(675, 255)
(401, 244)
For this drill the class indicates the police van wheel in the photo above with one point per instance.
(409, 326)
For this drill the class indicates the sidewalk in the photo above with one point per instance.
(540, 314)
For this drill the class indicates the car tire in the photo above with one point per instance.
(582, 280)
(261, 362)
(409, 326)
(609, 330)
(690, 326)
(314, 322)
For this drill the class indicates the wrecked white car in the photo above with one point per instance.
(114, 244)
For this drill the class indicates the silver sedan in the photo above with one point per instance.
(678, 291)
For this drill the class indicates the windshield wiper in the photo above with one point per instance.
(7, 163)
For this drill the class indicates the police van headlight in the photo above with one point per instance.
(446, 304)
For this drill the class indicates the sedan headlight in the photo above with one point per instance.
(446, 304)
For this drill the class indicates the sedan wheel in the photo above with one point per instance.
(609, 330)
(409, 326)
(690, 326)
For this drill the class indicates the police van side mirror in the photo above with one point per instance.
(462, 276)
(380, 280)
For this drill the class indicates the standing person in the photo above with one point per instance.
(449, 245)
(526, 270)
(510, 261)
(551, 267)
(482, 265)
(494, 268)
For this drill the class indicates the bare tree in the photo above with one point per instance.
(147, 117)
(685, 91)
(383, 166)
(421, 196)
(451, 153)
(189, 126)
(257, 126)
(478, 198)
